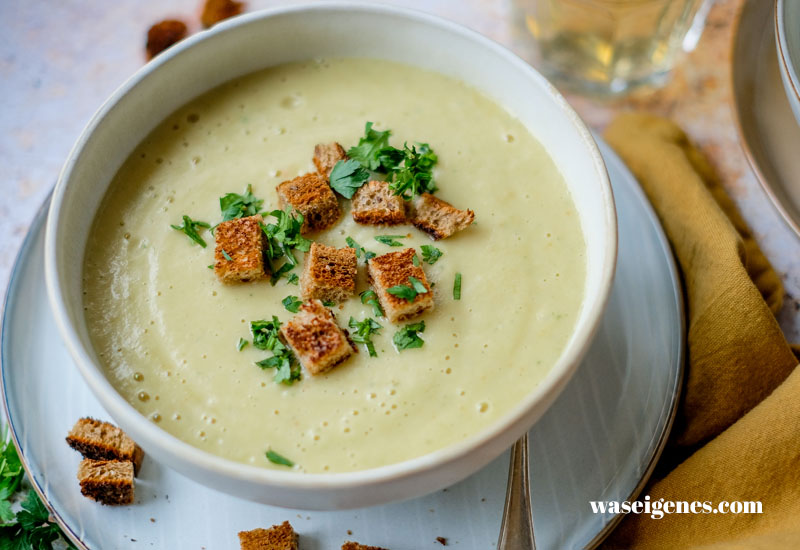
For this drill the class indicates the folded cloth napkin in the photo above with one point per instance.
(737, 433)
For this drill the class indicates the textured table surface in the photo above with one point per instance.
(59, 60)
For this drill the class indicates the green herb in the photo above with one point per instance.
(347, 176)
(368, 255)
(291, 303)
(226, 255)
(293, 279)
(328, 303)
(407, 337)
(363, 333)
(242, 344)
(408, 293)
(190, 227)
(286, 368)
(417, 285)
(457, 287)
(430, 254)
(373, 150)
(275, 458)
(415, 260)
(11, 473)
(416, 175)
(235, 206)
(266, 337)
(211, 266)
(368, 297)
(283, 237)
(265, 334)
(390, 239)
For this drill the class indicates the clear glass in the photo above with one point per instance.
(608, 47)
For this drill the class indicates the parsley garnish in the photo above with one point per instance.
(190, 228)
(275, 458)
(363, 333)
(408, 293)
(390, 239)
(291, 303)
(235, 206)
(226, 255)
(328, 303)
(368, 297)
(430, 253)
(282, 238)
(347, 176)
(416, 175)
(457, 287)
(293, 279)
(415, 260)
(407, 337)
(359, 249)
(369, 150)
(265, 336)
(241, 345)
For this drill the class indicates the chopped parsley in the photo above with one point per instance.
(347, 176)
(363, 333)
(359, 249)
(408, 337)
(430, 254)
(457, 287)
(226, 255)
(235, 206)
(368, 297)
(278, 459)
(415, 260)
(416, 175)
(291, 303)
(390, 239)
(242, 344)
(373, 150)
(282, 238)
(265, 336)
(293, 279)
(328, 303)
(191, 228)
(408, 293)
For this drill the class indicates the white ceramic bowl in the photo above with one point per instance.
(787, 37)
(280, 35)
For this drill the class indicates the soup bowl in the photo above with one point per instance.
(263, 39)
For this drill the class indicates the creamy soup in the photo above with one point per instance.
(166, 330)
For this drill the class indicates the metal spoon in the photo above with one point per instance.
(516, 530)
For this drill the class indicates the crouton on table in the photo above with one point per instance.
(277, 537)
(438, 218)
(393, 269)
(103, 441)
(375, 204)
(215, 11)
(355, 546)
(107, 481)
(329, 274)
(316, 339)
(311, 195)
(238, 256)
(164, 34)
(326, 155)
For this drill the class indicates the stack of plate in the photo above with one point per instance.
(766, 85)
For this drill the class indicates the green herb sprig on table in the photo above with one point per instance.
(191, 228)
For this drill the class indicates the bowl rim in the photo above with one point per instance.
(544, 393)
(788, 69)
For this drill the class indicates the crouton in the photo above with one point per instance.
(215, 11)
(107, 481)
(311, 195)
(438, 218)
(239, 256)
(375, 204)
(355, 546)
(277, 537)
(326, 155)
(392, 269)
(316, 339)
(103, 441)
(164, 34)
(329, 274)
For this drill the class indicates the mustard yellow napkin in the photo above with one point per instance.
(737, 433)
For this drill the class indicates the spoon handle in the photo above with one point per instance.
(516, 530)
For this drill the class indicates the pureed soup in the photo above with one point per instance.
(176, 342)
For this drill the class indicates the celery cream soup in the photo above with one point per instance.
(166, 330)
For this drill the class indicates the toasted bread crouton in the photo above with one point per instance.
(329, 274)
(107, 481)
(311, 195)
(375, 204)
(326, 155)
(316, 339)
(239, 255)
(438, 218)
(277, 537)
(355, 546)
(215, 11)
(103, 441)
(164, 34)
(392, 269)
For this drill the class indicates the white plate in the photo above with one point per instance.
(598, 442)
